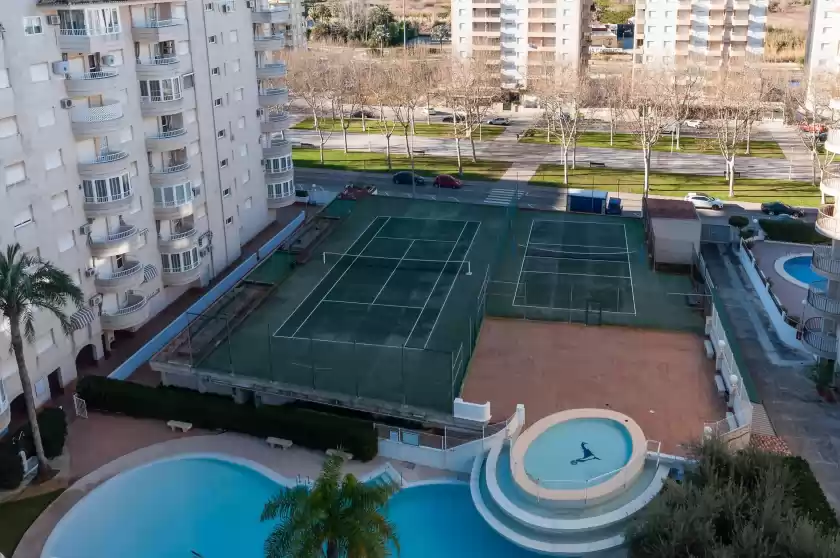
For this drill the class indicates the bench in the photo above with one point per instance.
(343, 455)
(419, 151)
(710, 349)
(594, 164)
(721, 387)
(279, 443)
(178, 425)
(730, 420)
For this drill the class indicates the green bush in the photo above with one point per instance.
(304, 427)
(11, 468)
(809, 498)
(739, 221)
(792, 230)
(53, 423)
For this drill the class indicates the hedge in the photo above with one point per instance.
(809, 497)
(791, 230)
(304, 427)
(739, 221)
(53, 423)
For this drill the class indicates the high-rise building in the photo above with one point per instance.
(525, 36)
(822, 50)
(710, 34)
(141, 145)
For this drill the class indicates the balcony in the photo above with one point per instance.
(830, 183)
(133, 314)
(169, 175)
(271, 42)
(90, 122)
(819, 299)
(176, 207)
(274, 70)
(819, 335)
(277, 147)
(825, 263)
(108, 205)
(162, 104)
(264, 12)
(85, 84)
(283, 199)
(270, 97)
(172, 140)
(280, 175)
(108, 163)
(90, 40)
(158, 67)
(129, 277)
(125, 239)
(183, 275)
(827, 223)
(276, 122)
(832, 142)
(178, 242)
(159, 31)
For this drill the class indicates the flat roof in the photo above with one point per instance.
(658, 208)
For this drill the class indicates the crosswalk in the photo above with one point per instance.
(503, 196)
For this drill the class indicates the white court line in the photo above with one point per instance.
(369, 303)
(449, 292)
(410, 333)
(574, 222)
(575, 259)
(576, 245)
(339, 279)
(328, 273)
(630, 269)
(426, 219)
(578, 274)
(415, 239)
(521, 267)
(393, 271)
(572, 309)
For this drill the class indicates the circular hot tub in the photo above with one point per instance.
(580, 455)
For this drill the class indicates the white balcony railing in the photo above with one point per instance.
(281, 195)
(111, 111)
(109, 196)
(108, 157)
(102, 74)
(136, 302)
(278, 37)
(170, 169)
(180, 235)
(130, 269)
(92, 31)
(161, 98)
(274, 91)
(157, 24)
(176, 202)
(124, 232)
(169, 134)
(158, 61)
(273, 66)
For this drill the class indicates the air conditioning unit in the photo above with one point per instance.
(90, 272)
(95, 300)
(61, 67)
(84, 229)
(53, 20)
(204, 252)
(66, 103)
(107, 60)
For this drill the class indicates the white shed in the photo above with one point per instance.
(672, 229)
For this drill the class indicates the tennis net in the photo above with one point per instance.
(580, 253)
(455, 267)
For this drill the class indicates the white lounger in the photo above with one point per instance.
(278, 443)
(343, 455)
(178, 425)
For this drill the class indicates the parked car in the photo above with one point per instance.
(499, 121)
(703, 201)
(303, 145)
(365, 113)
(456, 117)
(429, 110)
(404, 177)
(813, 128)
(447, 181)
(779, 208)
(694, 123)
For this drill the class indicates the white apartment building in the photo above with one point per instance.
(523, 35)
(822, 49)
(711, 34)
(141, 145)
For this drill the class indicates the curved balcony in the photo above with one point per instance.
(819, 335)
(124, 239)
(832, 142)
(167, 176)
(830, 183)
(84, 84)
(90, 122)
(834, 103)
(271, 42)
(173, 139)
(273, 96)
(277, 147)
(280, 176)
(129, 277)
(90, 39)
(827, 223)
(162, 105)
(178, 242)
(109, 163)
(274, 70)
(275, 122)
(184, 275)
(133, 314)
(825, 263)
(276, 201)
(160, 30)
(178, 208)
(158, 67)
(271, 13)
(110, 205)
(819, 299)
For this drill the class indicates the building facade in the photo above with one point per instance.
(524, 36)
(141, 145)
(822, 47)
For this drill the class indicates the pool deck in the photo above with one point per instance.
(103, 446)
(766, 253)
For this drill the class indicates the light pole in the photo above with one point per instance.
(404, 39)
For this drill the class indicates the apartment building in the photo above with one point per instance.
(822, 49)
(711, 34)
(141, 145)
(524, 36)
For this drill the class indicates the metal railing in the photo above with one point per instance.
(290, 168)
(130, 269)
(109, 157)
(585, 485)
(169, 134)
(265, 7)
(274, 91)
(162, 98)
(130, 308)
(819, 298)
(824, 260)
(91, 31)
(104, 113)
(111, 237)
(110, 197)
(170, 169)
(180, 235)
(280, 37)
(176, 202)
(272, 66)
(277, 117)
(101, 74)
(158, 61)
(791, 320)
(156, 24)
(183, 268)
(813, 334)
(827, 221)
(281, 195)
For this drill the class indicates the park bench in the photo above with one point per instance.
(178, 425)
(595, 164)
(278, 443)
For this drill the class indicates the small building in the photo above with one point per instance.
(586, 201)
(672, 233)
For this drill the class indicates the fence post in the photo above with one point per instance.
(268, 339)
(229, 344)
(189, 341)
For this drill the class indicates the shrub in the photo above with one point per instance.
(791, 230)
(11, 468)
(809, 498)
(53, 423)
(739, 221)
(304, 427)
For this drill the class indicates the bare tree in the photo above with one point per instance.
(649, 112)
(403, 98)
(613, 92)
(308, 79)
(684, 92)
(816, 116)
(343, 89)
(381, 88)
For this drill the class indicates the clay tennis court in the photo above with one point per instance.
(661, 379)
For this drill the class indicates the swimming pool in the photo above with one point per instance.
(212, 506)
(799, 267)
(567, 454)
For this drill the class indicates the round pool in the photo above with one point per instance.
(578, 453)
(797, 270)
(210, 507)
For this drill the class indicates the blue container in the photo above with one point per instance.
(586, 201)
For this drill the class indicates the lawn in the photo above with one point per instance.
(17, 516)
(426, 165)
(433, 130)
(688, 144)
(668, 184)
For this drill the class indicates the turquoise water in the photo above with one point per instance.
(556, 459)
(800, 268)
(212, 507)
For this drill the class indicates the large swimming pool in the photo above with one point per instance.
(211, 507)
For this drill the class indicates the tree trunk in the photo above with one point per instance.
(749, 136)
(574, 153)
(565, 165)
(411, 160)
(428, 111)
(28, 395)
(388, 149)
(814, 167)
(612, 131)
(472, 146)
(364, 121)
(344, 133)
(679, 129)
(411, 121)
(321, 146)
(822, 194)
(458, 154)
(731, 165)
(646, 153)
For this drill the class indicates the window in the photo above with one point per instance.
(229, 221)
(226, 193)
(246, 178)
(217, 102)
(650, 44)
(52, 159)
(565, 27)
(188, 80)
(235, 66)
(157, 90)
(565, 13)
(3, 399)
(39, 72)
(33, 26)
(668, 44)
(216, 71)
(233, 36)
(241, 123)
(221, 133)
(23, 218)
(66, 241)
(173, 196)
(46, 118)
(45, 342)
(223, 163)
(104, 190)
(462, 26)
(15, 174)
(462, 12)
(668, 14)
(278, 164)
(280, 190)
(8, 127)
(248, 203)
(825, 46)
(181, 261)
(238, 93)
(208, 7)
(211, 39)
(243, 150)
(60, 201)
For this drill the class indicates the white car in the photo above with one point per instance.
(430, 111)
(703, 201)
(694, 123)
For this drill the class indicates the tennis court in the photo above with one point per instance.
(576, 266)
(390, 287)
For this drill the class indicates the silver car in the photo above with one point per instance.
(703, 201)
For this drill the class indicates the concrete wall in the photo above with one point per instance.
(676, 240)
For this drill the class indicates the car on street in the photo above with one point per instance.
(814, 128)
(703, 201)
(447, 181)
(499, 121)
(303, 145)
(694, 123)
(456, 117)
(779, 208)
(365, 113)
(404, 177)
(429, 110)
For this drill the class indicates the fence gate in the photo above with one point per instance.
(593, 312)
(80, 406)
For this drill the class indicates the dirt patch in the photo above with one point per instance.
(661, 379)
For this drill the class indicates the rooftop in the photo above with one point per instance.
(670, 209)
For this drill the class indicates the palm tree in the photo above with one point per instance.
(337, 517)
(26, 284)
